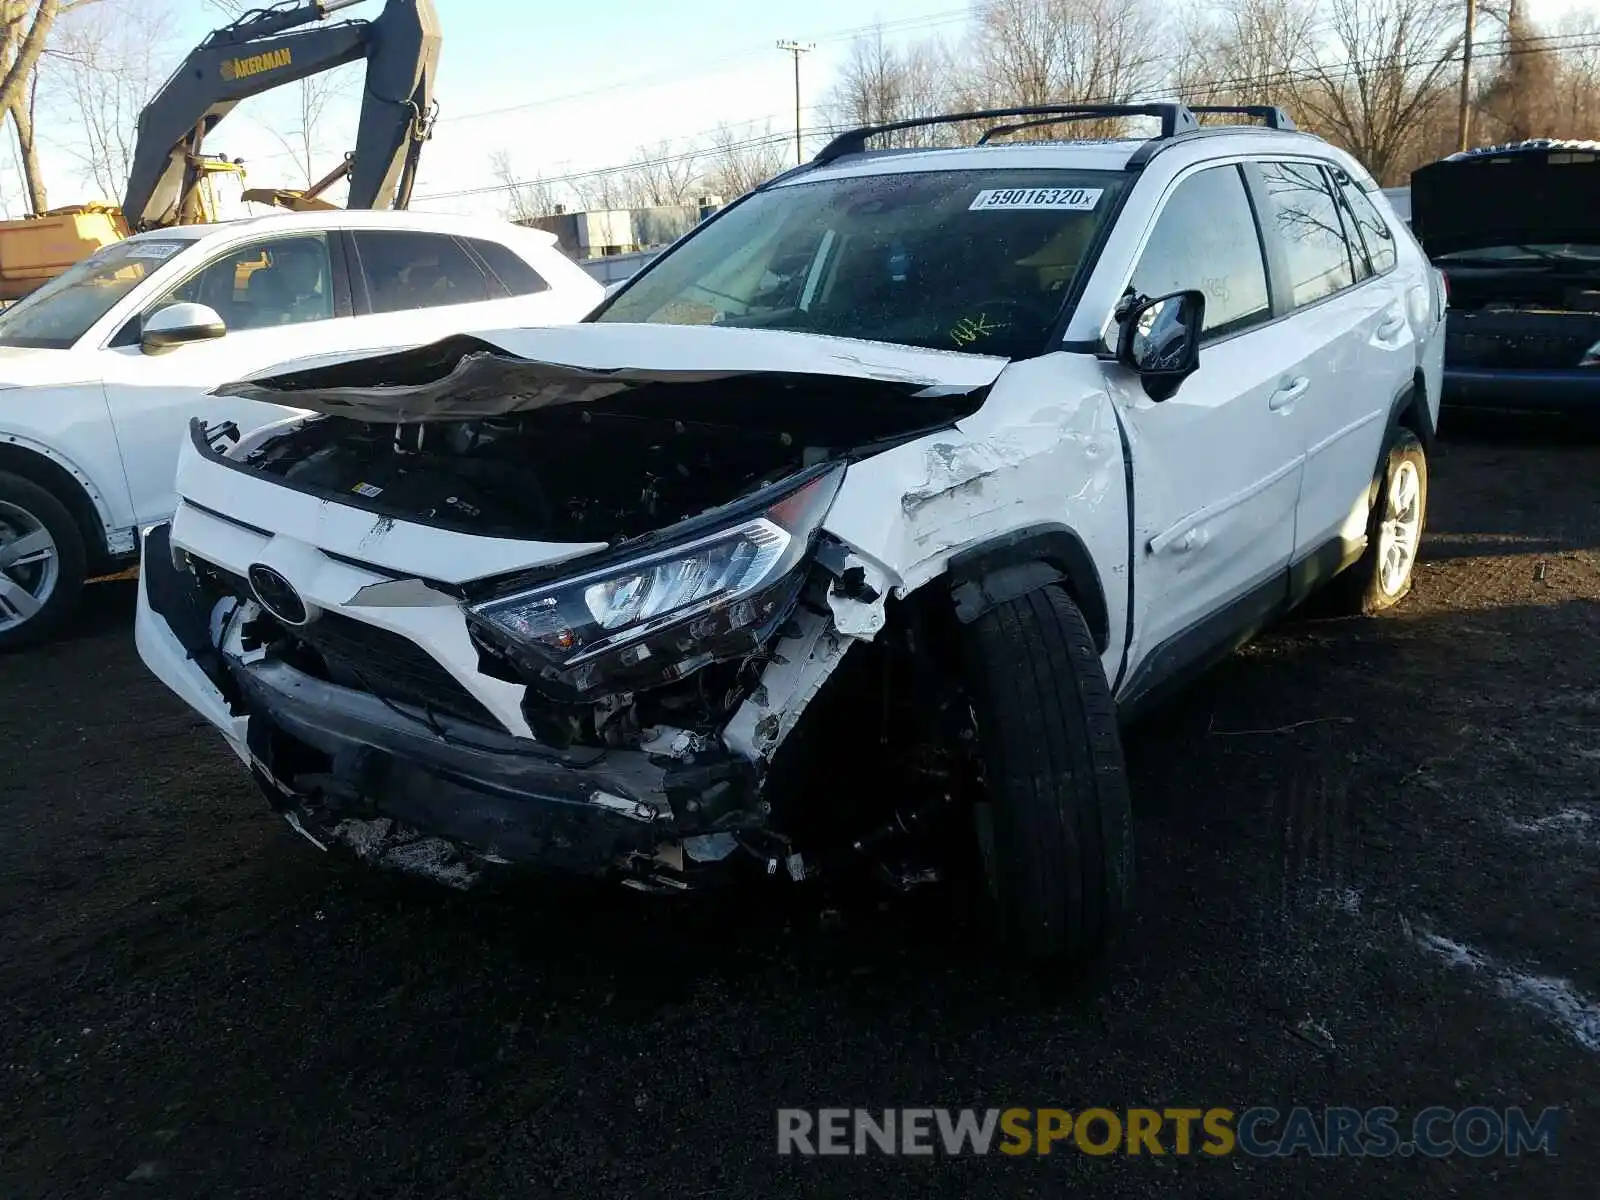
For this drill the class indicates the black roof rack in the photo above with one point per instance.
(1269, 115)
(1175, 119)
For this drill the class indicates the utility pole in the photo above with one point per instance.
(796, 49)
(1464, 113)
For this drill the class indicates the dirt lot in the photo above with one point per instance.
(1369, 849)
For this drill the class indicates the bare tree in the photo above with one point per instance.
(526, 199)
(662, 176)
(1029, 52)
(601, 191)
(736, 164)
(1245, 52)
(25, 28)
(105, 64)
(22, 113)
(1519, 102)
(881, 83)
(313, 99)
(1576, 112)
(1380, 79)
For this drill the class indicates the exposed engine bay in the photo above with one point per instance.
(607, 470)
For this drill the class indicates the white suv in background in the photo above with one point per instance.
(102, 368)
(841, 535)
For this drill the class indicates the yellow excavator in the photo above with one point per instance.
(172, 180)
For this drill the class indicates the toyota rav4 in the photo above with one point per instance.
(846, 532)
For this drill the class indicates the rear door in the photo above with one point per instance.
(1349, 314)
(1216, 467)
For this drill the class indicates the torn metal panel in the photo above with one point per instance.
(857, 597)
(521, 370)
(801, 662)
(1012, 465)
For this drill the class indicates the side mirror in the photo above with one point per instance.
(1160, 339)
(179, 324)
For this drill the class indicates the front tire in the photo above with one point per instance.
(42, 562)
(1053, 821)
(1382, 576)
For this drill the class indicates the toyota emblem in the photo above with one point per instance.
(277, 595)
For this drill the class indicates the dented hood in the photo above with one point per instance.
(496, 372)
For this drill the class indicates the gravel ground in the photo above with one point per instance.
(1368, 852)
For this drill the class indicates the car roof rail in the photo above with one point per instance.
(1175, 119)
(1269, 115)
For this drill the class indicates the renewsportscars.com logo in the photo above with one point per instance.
(1437, 1132)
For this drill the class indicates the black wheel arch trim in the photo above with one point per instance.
(985, 576)
(1412, 400)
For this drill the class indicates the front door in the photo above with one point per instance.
(1217, 466)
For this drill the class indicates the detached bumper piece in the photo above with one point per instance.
(416, 787)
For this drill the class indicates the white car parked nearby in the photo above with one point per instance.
(843, 534)
(102, 368)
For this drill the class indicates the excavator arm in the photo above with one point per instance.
(267, 49)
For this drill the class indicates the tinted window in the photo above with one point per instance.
(520, 278)
(279, 281)
(1376, 235)
(1205, 238)
(1304, 221)
(57, 314)
(979, 260)
(405, 270)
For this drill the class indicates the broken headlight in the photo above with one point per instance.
(661, 615)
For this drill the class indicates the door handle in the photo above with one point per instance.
(1288, 392)
(1392, 325)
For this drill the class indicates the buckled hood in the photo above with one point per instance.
(517, 370)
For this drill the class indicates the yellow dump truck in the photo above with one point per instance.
(37, 249)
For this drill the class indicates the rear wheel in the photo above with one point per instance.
(1052, 817)
(41, 562)
(1382, 576)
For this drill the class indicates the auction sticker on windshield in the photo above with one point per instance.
(1057, 199)
(156, 250)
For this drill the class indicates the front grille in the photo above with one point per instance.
(356, 655)
(390, 666)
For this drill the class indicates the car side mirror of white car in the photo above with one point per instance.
(1160, 339)
(179, 324)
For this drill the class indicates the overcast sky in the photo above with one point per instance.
(571, 87)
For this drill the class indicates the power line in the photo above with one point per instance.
(639, 83)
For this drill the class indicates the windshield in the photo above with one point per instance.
(60, 312)
(1544, 252)
(980, 261)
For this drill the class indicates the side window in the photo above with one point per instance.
(1205, 238)
(1375, 232)
(1303, 220)
(509, 267)
(406, 270)
(279, 281)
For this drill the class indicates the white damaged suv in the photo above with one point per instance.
(842, 535)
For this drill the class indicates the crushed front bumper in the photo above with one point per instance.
(341, 763)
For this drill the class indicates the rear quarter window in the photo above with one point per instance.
(509, 267)
(1376, 236)
(1303, 220)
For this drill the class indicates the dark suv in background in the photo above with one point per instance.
(1516, 230)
